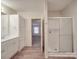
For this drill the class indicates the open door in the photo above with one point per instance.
(42, 35)
(38, 33)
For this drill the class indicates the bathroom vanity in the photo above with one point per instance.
(14, 40)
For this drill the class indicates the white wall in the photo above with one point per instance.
(28, 17)
(54, 14)
(71, 11)
(7, 10)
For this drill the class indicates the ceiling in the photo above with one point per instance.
(56, 5)
(25, 5)
(36, 5)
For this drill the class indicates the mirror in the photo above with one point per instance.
(4, 26)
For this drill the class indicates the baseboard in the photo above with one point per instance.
(62, 54)
(14, 55)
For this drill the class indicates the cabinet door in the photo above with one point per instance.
(21, 33)
(21, 43)
(53, 35)
(3, 51)
(66, 35)
(12, 47)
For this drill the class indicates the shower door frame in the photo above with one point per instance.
(70, 54)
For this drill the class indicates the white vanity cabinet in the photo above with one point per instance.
(21, 33)
(9, 48)
(15, 41)
(4, 50)
(12, 47)
(21, 44)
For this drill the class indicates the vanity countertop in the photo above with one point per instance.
(9, 38)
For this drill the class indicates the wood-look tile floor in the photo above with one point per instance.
(34, 53)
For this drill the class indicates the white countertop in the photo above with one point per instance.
(9, 37)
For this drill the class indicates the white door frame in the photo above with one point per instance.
(40, 18)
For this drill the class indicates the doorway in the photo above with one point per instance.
(36, 33)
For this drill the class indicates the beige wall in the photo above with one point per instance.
(28, 17)
(71, 11)
(54, 14)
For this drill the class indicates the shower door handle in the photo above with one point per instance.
(50, 32)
